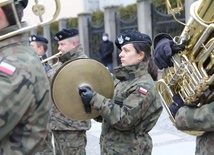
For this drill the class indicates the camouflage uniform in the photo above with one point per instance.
(24, 97)
(195, 119)
(198, 119)
(131, 114)
(69, 134)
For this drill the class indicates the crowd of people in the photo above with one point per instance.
(30, 124)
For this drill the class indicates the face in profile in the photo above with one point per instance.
(65, 45)
(38, 49)
(129, 56)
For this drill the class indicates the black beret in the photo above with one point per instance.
(24, 3)
(65, 33)
(38, 38)
(132, 36)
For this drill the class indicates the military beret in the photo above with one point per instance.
(132, 36)
(65, 33)
(24, 3)
(38, 38)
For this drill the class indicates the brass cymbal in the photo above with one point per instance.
(80, 72)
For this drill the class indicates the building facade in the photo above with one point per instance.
(71, 8)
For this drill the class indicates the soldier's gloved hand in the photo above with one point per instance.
(175, 106)
(86, 95)
(164, 50)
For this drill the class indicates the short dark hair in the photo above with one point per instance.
(45, 46)
(10, 15)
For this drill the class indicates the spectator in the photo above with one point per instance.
(106, 49)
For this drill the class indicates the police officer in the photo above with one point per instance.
(187, 118)
(135, 107)
(24, 94)
(69, 134)
(40, 44)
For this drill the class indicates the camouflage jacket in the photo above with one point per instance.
(24, 98)
(198, 119)
(131, 114)
(58, 121)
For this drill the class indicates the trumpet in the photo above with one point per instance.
(53, 57)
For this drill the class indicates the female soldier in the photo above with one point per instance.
(135, 107)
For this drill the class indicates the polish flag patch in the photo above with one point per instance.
(142, 91)
(7, 68)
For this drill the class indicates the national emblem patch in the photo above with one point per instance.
(7, 68)
(142, 91)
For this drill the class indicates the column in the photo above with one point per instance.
(62, 23)
(47, 34)
(83, 31)
(110, 27)
(144, 17)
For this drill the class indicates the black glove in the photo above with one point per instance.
(164, 50)
(98, 118)
(175, 106)
(86, 95)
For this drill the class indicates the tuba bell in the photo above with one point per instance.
(39, 11)
(192, 74)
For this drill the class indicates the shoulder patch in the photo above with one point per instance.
(7, 68)
(142, 91)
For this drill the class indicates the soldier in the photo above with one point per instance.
(135, 107)
(69, 134)
(40, 44)
(24, 94)
(186, 117)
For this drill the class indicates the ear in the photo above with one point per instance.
(40, 48)
(141, 56)
(74, 42)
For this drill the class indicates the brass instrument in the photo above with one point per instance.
(51, 58)
(192, 73)
(38, 10)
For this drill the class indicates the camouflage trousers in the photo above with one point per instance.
(66, 143)
(131, 144)
(46, 148)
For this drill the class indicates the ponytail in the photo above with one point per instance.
(153, 69)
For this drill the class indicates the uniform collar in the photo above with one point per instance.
(18, 38)
(43, 57)
(124, 73)
(77, 52)
(73, 54)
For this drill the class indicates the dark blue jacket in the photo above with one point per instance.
(106, 49)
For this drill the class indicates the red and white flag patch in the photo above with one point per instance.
(142, 91)
(7, 68)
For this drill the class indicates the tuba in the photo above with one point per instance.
(192, 74)
(39, 11)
